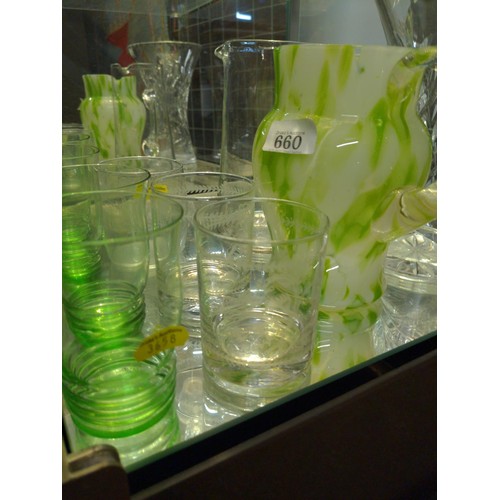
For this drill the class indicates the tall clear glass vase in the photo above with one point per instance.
(147, 77)
(174, 63)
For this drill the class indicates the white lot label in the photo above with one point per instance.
(292, 136)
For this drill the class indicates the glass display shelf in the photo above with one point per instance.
(205, 446)
(373, 424)
(390, 397)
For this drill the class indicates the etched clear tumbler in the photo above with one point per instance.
(260, 263)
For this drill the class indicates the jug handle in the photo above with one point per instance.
(405, 210)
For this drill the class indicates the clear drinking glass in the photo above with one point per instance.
(106, 238)
(148, 78)
(260, 264)
(76, 133)
(79, 152)
(105, 262)
(93, 176)
(157, 166)
(194, 190)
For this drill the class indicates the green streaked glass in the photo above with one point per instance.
(371, 158)
(105, 310)
(110, 394)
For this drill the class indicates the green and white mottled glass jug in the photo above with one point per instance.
(114, 114)
(344, 136)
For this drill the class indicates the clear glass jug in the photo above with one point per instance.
(174, 63)
(248, 96)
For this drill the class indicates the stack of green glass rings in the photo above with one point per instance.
(113, 394)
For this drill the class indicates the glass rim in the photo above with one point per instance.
(394, 278)
(102, 164)
(251, 41)
(141, 235)
(72, 125)
(257, 43)
(134, 64)
(110, 161)
(80, 144)
(320, 232)
(100, 167)
(165, 43)
(368, 47)
(76, 131)
(235, 177)
(147, 161)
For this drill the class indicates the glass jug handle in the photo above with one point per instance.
(405, 210)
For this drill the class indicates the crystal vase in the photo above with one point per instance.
(174, 63)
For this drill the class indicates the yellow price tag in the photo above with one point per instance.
(162, 188)
(160, 340)
(139, 189)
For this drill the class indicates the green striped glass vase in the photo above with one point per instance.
(114, 114)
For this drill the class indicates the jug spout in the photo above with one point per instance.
(405, 210)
